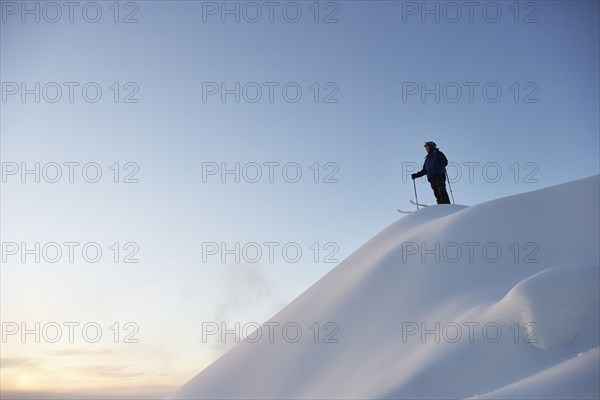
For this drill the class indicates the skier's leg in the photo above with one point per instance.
(436, 192)
(444, 199)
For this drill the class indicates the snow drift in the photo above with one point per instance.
(494, 300)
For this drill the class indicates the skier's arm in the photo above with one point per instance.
(420, 173)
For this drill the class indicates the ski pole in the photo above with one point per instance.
(450, 187)
(416, 198)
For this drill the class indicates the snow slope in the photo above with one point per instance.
(497, 300)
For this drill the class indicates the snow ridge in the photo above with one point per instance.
(494, 300)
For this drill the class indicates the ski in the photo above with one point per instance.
(412, 202)
(418, 204)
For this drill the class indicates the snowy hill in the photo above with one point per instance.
(497, 300)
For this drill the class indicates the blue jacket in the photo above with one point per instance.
(434, 165)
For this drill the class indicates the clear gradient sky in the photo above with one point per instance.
(509, 88)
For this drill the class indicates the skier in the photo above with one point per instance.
(435, 168)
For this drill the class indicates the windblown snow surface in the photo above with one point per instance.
(497, 300)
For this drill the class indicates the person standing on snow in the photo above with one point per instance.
(435, 169)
